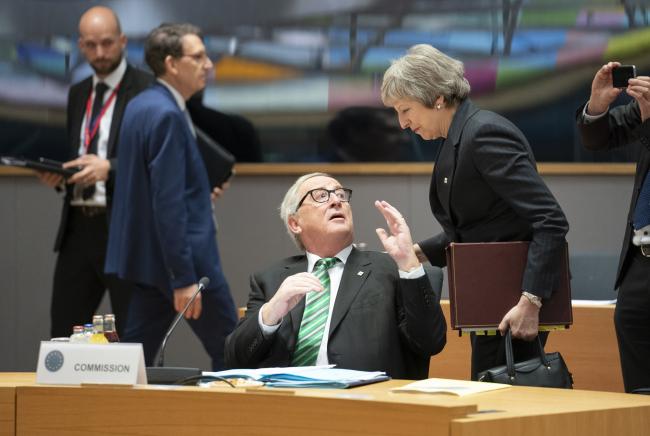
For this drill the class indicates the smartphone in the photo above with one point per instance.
(620, 75)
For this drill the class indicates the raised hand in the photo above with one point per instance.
(639, 89)
(397, 241)
(602, 91)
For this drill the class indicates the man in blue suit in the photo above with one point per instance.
(162, 235)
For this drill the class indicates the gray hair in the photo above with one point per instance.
(289, 205)
(166, 40)
(423, 74)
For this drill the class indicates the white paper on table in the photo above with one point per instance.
(446, 386)
(593, 302)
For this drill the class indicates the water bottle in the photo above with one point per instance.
(77, 336)
(88, 332)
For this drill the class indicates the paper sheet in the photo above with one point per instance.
(446, 386)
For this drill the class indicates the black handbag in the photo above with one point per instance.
(548, 370)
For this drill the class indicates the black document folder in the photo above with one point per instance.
(485, 282)
(41, 164)
(218, 161)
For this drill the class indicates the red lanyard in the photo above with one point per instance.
(90, 132)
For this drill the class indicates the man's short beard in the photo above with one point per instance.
(112, 67)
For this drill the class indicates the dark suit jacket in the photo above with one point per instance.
(162, 231)
(620, 127)
(132, 83)
(379, 322)
(485, 188)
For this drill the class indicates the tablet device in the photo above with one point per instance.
(41, 164)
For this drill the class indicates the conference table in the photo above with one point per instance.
(30, 409)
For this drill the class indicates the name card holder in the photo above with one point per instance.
(73, 364)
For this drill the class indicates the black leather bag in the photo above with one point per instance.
(218, 161)
(548, 370)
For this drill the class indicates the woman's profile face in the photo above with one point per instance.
(426, 122)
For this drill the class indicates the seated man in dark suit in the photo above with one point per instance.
(361, 310)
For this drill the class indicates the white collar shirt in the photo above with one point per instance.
(112, 80)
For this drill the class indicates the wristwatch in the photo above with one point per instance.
(533, 299)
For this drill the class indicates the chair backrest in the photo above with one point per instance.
(435, 277)
(593, 275)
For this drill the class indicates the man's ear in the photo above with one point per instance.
(123, 41)
(170, 65)
(294, 226)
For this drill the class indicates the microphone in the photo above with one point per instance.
(159, 374)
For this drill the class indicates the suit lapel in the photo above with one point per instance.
(445, 169)
(356, 271)
(295, 315)
(78, 115)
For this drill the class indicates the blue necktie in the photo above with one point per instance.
(642, 208)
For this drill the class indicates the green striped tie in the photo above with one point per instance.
(314, 317)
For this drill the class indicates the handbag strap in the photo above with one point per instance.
(542, 353)
(510, 361)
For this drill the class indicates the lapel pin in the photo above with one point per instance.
(360, 273)
(444, 180)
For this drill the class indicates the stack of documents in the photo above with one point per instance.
(305, 376)
(445, 386)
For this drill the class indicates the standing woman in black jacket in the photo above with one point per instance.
(485, 188)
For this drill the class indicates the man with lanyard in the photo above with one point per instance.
(94, 114)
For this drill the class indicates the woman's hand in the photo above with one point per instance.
(522, 320)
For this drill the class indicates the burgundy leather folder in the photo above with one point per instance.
(485, 282)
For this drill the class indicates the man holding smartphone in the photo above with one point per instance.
(94, 114)
(605, 128)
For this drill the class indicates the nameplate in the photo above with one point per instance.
(74, 364)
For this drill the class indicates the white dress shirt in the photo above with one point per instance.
(111, 80)
(590, 118)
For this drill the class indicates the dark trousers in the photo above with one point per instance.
(632, 322)
(490, 351)
(79, 279)
(152, 312)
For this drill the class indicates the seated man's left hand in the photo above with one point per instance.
(522, 320)
(398, 243)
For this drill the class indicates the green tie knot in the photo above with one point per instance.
(325, 263)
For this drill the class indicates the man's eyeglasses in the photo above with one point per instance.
(322, 195)
(199, 58)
